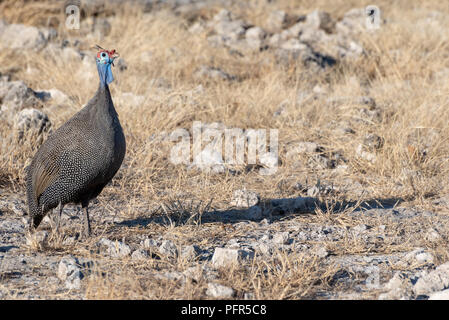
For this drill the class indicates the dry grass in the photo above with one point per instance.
(403, 71)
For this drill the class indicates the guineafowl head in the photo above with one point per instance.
(105, 59)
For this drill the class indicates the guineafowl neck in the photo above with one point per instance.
(104, 101)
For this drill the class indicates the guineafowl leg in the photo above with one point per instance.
(86, 219)
(58, 218)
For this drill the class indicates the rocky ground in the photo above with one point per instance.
(357, 209)
(394, 251)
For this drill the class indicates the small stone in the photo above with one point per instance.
(69, 272)
(139, 254)
(360, 228)
(168, 248)
(368, 156)
(216, 290)
(432, 235)
(399, 287)
(264, 248)
(318, 19)
(373, 141)
(244, 199)
(313, 191)
(419, 255)
(321, 252)
(224, 257)
(190, 252)
(281, 238)
(16, 96)
(277, 20)
(255, 36)
(31, 121)
(149, 243)
(115, 249)
(433, 281)
(308, 147)
(30, 37)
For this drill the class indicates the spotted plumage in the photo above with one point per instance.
(77, 161)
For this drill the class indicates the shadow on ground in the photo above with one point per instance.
(270, 209)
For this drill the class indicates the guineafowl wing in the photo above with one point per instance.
(46, 173)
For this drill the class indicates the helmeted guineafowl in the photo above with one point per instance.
(77, 161)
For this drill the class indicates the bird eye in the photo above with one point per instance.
(103, 55)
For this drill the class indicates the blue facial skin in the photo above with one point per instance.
(104, 69)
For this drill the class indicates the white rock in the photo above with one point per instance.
(224, 257)
(243, 198)
(171, 275)
(15, 96)
(216, 290)
(419, 255)
(321, 252)
(398, 287)
(69, 272)
(139, 254)
(31, 121)
(281, 238)
(168, 248)
(432, 235)
(255, 33)
(58, 97)
(318, 19)
(307, 147)
(115, 249)
(276, 20)
(368, 156)
(440, 295)
(264, 248)
(294, 44)
(255, 36)
(435, 280)
(149, 243)
(354, 21)
(223, 15)
(30, 37)
(190, 252)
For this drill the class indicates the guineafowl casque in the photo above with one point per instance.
(77, 161)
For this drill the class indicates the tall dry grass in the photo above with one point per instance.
(405, 70)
